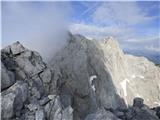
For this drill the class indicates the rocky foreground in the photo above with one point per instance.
(86, 80)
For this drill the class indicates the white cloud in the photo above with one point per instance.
(126, 37)
(120, 13)
(147, 43)
(121, 20)
(41, 26)
(98, 32)
(153, 48)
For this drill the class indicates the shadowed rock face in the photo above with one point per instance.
(86, 80)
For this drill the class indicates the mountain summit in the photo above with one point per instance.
(98, 73)
(85, 80)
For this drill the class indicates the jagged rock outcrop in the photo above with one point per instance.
(93, 74)
(26, 90)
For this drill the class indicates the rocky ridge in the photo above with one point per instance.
(26, 87)
(85, 80)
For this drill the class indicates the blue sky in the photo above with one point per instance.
(42, 25)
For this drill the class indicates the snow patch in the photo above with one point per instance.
(141, 76)
(92, 78)
(93, 87)
(157, 103)
(89, 38)
(91, 82)
(124, 86)
(137, 95)
(133, 76)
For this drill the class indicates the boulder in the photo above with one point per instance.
(54, 110)
(17, 48)
(7, 105)
(13, 99)
(139, 111)
(138, 102)
(157, 110)
(7, 77)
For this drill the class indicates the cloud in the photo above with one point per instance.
(120, 13)
(40, 26)
(153, 48)
(148, 43)
(130, 22)
(98, 32)
(126, 37)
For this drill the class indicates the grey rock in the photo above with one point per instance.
(119, 114)
(141, 115)
(30, 62)
(101, 114)
(28, 67)
(75, 65)
(116, 75)
(7, 77)
(139, 112)
(46, 76)
(37, 87)
(67, 113)
(66, 100)
(138, 102)
(7, 105)
(157, 110)
(24, 62)
(55, 113)
(86, 74)
(51, 97)
(54, 110)
(17, 48)
(40, 115)
(44, 101)
(33, 107)
(13, 99)
(51, 107)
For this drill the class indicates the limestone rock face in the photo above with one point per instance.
(143, 80)
(98, 73)
(27, 87)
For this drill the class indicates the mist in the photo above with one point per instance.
(40, 26)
